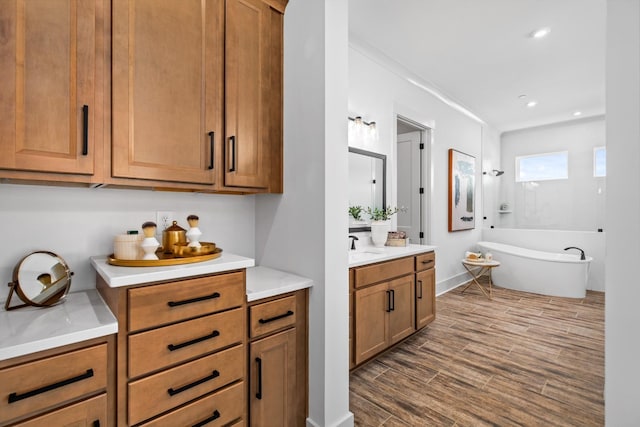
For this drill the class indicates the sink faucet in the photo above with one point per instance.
(582, 257)
(353, 242)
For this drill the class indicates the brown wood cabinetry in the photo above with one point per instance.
(50, 93)
(389, 301)
(188, 94)
(68, 385)
(278, 361)
(181, 350)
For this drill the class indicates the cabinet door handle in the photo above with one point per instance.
(174, 391)
(173, 347)
(213, 417)
(96, 423)
(232, 142)
(14, 397)
(212, 138)
(393, 300)
(388, 310)
(192, 300)
(271, 319)
(259, 391)
(420, 287)
(85, 130)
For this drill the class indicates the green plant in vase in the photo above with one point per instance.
(383, 214)
(356, 212)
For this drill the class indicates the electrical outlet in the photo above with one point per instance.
(164, 219)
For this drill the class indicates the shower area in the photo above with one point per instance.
(544, 188)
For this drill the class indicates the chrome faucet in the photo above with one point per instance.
(582, 257)
(353, 242)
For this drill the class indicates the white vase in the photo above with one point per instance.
(379, 232)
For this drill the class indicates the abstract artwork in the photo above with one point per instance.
(462, 175)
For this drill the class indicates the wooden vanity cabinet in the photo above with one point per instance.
(389, 301)
(181, 350)
(50, 92)
(69, 385)
(278, 360)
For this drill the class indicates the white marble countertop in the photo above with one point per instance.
(116, 276)
(264, 282)
(82, 316)
(364, 255)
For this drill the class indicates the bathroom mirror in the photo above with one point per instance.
(367, 186)
(40, 279)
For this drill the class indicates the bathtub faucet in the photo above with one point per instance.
(582, 257)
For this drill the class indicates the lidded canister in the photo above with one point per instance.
(172, 235)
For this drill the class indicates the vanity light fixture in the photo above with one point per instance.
(361, 131)
(540, 33)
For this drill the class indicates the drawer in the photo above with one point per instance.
(157, 305)
(218, 409)
(168, 389)
(90, 412)
(155, 349)
(380, 272)
(425, 261)
(271, 316)
(42, 384)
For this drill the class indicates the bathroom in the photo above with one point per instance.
(295, 231)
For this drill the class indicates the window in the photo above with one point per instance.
(600, 161)
(542, 167)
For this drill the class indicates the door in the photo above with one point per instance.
(167, 89)
(272, 380)
(248, 75)
(409, 183)
(47, 88)
(372, 306)
(402, 313)
(425, 297)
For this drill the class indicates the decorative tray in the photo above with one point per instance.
(206, 252)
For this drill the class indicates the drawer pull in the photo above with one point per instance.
(213, 334)
(173, 392)
(429, 261)
(213, 417)
(14, 397)
(271, 319)
(192, 300)
(259, 391)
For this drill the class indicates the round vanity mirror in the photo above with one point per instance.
(40, 279)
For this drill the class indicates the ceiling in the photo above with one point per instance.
(479, 53)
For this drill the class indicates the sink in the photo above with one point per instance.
(365, 254)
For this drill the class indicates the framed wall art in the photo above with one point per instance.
(462, 190)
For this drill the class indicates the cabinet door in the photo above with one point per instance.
(47, 98)
(167, 71)
(272, 381)
(425, 297)
(90, 412)
(253, 75)
(372, 306)
(402, 315)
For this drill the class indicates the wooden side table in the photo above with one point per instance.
(485, 268)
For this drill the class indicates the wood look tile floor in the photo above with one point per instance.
(519, 360)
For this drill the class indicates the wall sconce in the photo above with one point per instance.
(361, 131)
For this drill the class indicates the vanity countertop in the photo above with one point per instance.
(370, 254)
(82, 316)
(116, 276)
(264, 282)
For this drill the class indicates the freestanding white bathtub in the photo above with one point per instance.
(547, 273)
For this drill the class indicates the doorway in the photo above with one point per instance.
(412, 192)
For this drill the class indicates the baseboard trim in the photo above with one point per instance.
(451, 283)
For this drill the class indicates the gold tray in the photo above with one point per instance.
(164, 259)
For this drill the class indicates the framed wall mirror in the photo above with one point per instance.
(367, 185)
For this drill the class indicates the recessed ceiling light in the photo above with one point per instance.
(531, 104)
(577, 113)
(540, 33)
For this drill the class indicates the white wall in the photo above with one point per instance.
(77, 223)
(490, 183)
(622, 317)
(592, 243)
(304, 230)
(377, 92)
(576, 203)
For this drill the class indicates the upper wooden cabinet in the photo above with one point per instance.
(48, 54)
(167, 77)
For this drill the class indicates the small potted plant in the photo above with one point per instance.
(380, 225)
(356, 213)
